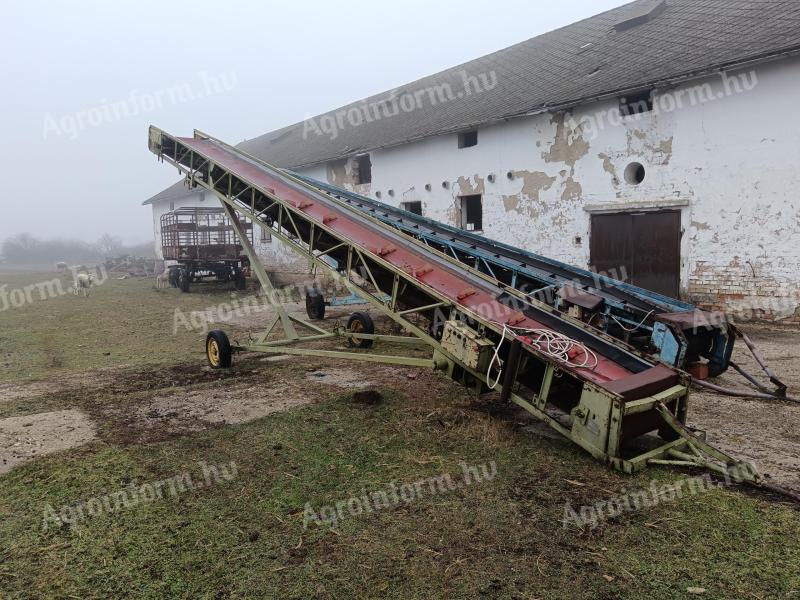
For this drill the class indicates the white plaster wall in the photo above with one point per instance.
(730, 160)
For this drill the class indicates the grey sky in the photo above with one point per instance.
(72, 168)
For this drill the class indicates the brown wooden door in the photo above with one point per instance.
(646, 245)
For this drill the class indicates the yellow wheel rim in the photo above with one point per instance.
(356, 327)
(212, 349)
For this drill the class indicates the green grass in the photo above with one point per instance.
(504, 538)
(122, 322)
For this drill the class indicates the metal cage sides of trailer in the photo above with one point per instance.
(203, 244)
(619, 404)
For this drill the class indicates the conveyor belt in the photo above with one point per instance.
(504, 256)
(476, 295)
(629, 313)
(600, 405)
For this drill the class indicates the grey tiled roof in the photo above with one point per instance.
(565, 67)
(176, 191)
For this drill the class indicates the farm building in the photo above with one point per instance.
(616, 143)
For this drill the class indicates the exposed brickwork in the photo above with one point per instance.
(748, 291)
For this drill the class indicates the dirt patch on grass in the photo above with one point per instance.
(225, 406)
(167, 416)
(120, 380)
(24, 438)
(367, 397)
(343, 378)
(93, 380)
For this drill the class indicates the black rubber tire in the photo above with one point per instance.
(184, 280)
(361, 323)
(173, 277)
(223, 357)
(315, 305)
(240, 280)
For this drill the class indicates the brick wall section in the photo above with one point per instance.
(748, 292)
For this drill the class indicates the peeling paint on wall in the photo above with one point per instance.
(337, 173)
(572, 190)
(533, 184)
(342, 173)
(665, 147)
(568, 146)
(469, 186)
(609, 167)
(649, 146)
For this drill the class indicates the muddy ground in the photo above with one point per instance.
(146, 404)
(762, 431)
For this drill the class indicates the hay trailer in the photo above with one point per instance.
(204, 246)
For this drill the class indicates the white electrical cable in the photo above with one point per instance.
(637, 327)
(559, 346)
(496, 358)
(554, 344)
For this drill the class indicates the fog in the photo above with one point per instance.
(83, 80)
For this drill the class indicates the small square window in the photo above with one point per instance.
(471, 212)
(363, 169)
(266, 235)
(468, 139)
(412, 207)
(636, 104)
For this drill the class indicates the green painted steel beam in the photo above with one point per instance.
(359, 356)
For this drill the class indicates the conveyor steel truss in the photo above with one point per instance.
(677, 331)
(601, 406)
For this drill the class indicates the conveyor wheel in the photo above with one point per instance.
(315, 305)
(360, 323)
(218, 350)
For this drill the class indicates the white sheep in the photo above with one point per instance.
(162, 279)
(83, 283)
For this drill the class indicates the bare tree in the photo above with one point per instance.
(109, 245)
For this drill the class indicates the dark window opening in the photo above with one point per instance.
(363, 169)
(636, 104)
(471, 213)
(468, 139)
(266, 235)
(413, 207)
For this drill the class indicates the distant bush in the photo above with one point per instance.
(25, 250)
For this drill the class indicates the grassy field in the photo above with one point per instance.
(122, 322)
(244, 536)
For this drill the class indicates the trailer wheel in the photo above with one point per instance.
(315, 305)
(218, 350)
(360, 323)
(173, 277)
(184, 279)
(241, 281)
